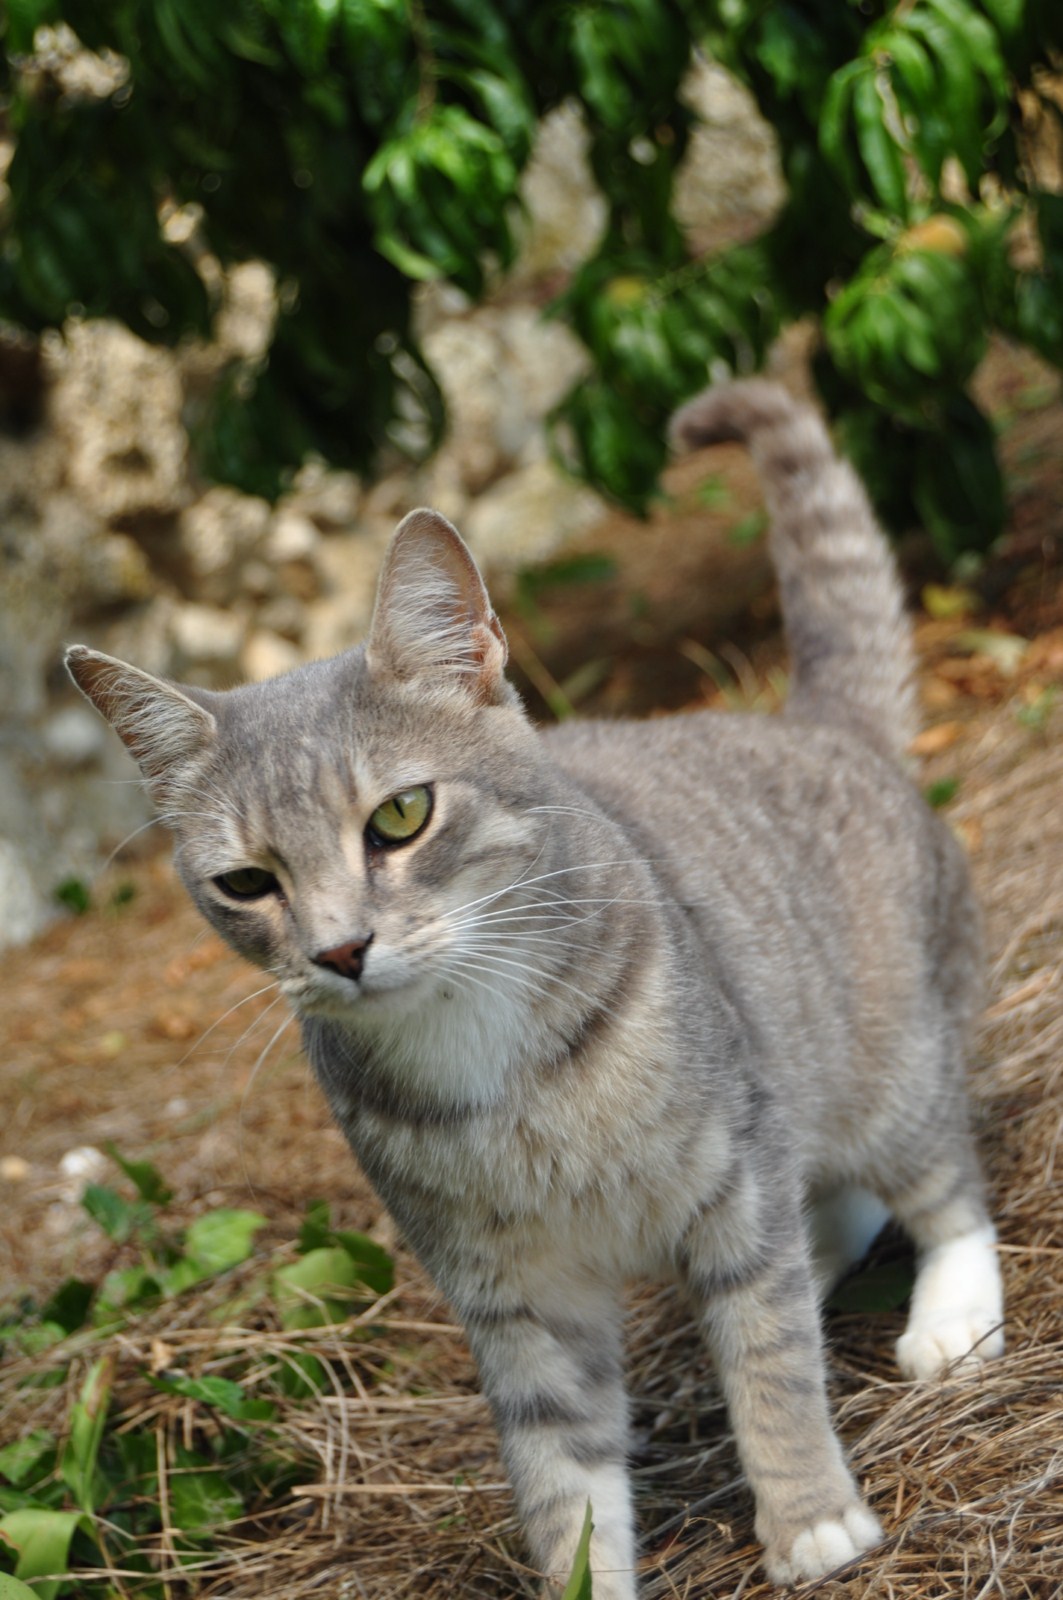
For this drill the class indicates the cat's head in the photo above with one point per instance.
(340, 825)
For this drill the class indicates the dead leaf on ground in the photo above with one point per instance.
(939, 737)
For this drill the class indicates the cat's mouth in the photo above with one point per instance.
(341, 999)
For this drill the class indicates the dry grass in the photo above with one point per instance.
(400, 1489)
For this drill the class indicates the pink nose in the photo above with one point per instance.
(346, 959)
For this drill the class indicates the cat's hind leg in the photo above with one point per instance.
(957, 1309)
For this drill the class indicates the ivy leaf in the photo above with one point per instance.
(118, 1218)
(222, 1394)
(24, 1459)
(146, 1178)
(221, 1239)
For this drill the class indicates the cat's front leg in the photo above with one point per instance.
(752, 1283)
(551, 1367)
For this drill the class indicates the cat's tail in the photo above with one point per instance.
(843, 607)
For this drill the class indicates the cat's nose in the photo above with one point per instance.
(346, 959)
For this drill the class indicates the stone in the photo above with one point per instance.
(292, 537)
(565, 212)
(501, 371)
(350, 565)
(730, 183)
(527, 517)
(74, 736)
(207, 636)
(215, 536)
(267, 655)
(24, 911)
(117, 403)
(331, 498)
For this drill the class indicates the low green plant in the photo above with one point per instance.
(86, 1497)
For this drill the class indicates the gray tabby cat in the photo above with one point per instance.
(615, 999)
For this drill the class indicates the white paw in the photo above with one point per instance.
(825, 1546)
(965, 1338)
(957, 1308)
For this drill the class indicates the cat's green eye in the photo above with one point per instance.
(402, 817)
(247, 883)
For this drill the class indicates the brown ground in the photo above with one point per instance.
(103, 1038)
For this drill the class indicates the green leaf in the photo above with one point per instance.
(146, 1179)
(713, 493)
(88, 1418)
(202, 1499)
(42, 1540)
(221, 1393)
(940, 793)
(372, 1263)
(124, 1289)
(579, 1585)
(75, 895)
(316, 1229)
(880, 154)
(320, 1288)
(13, 1589)
(879, 1288)
(748, 530)
(23, 1460)
(69, 1305)
(221, 1239)
(117, 1217)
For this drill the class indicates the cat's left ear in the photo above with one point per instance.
(433, 619)
(159, 723)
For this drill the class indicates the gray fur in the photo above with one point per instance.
(635, 994)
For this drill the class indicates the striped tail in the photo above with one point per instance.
(842, 604)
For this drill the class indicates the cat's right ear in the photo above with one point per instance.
(433, 621)
(157, 722)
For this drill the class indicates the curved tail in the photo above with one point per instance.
(842, 604)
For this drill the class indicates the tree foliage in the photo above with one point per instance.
(362, 146)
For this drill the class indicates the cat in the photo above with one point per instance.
(617, 999)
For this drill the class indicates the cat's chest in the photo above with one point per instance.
(546, 1180)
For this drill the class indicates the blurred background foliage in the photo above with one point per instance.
(360, 147)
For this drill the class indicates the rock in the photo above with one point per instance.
(565, 211)
(349, 566)
(74, 736)
(331, 499)
(206, 636)
(730, 183)
(292, 537)
(117, 403)
(80, 1167)
(243, 327)
(527, 517)
(114, 570)
(501, 371)
(267, 655)
(215, 536)
(284, 615)
(24, 911)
